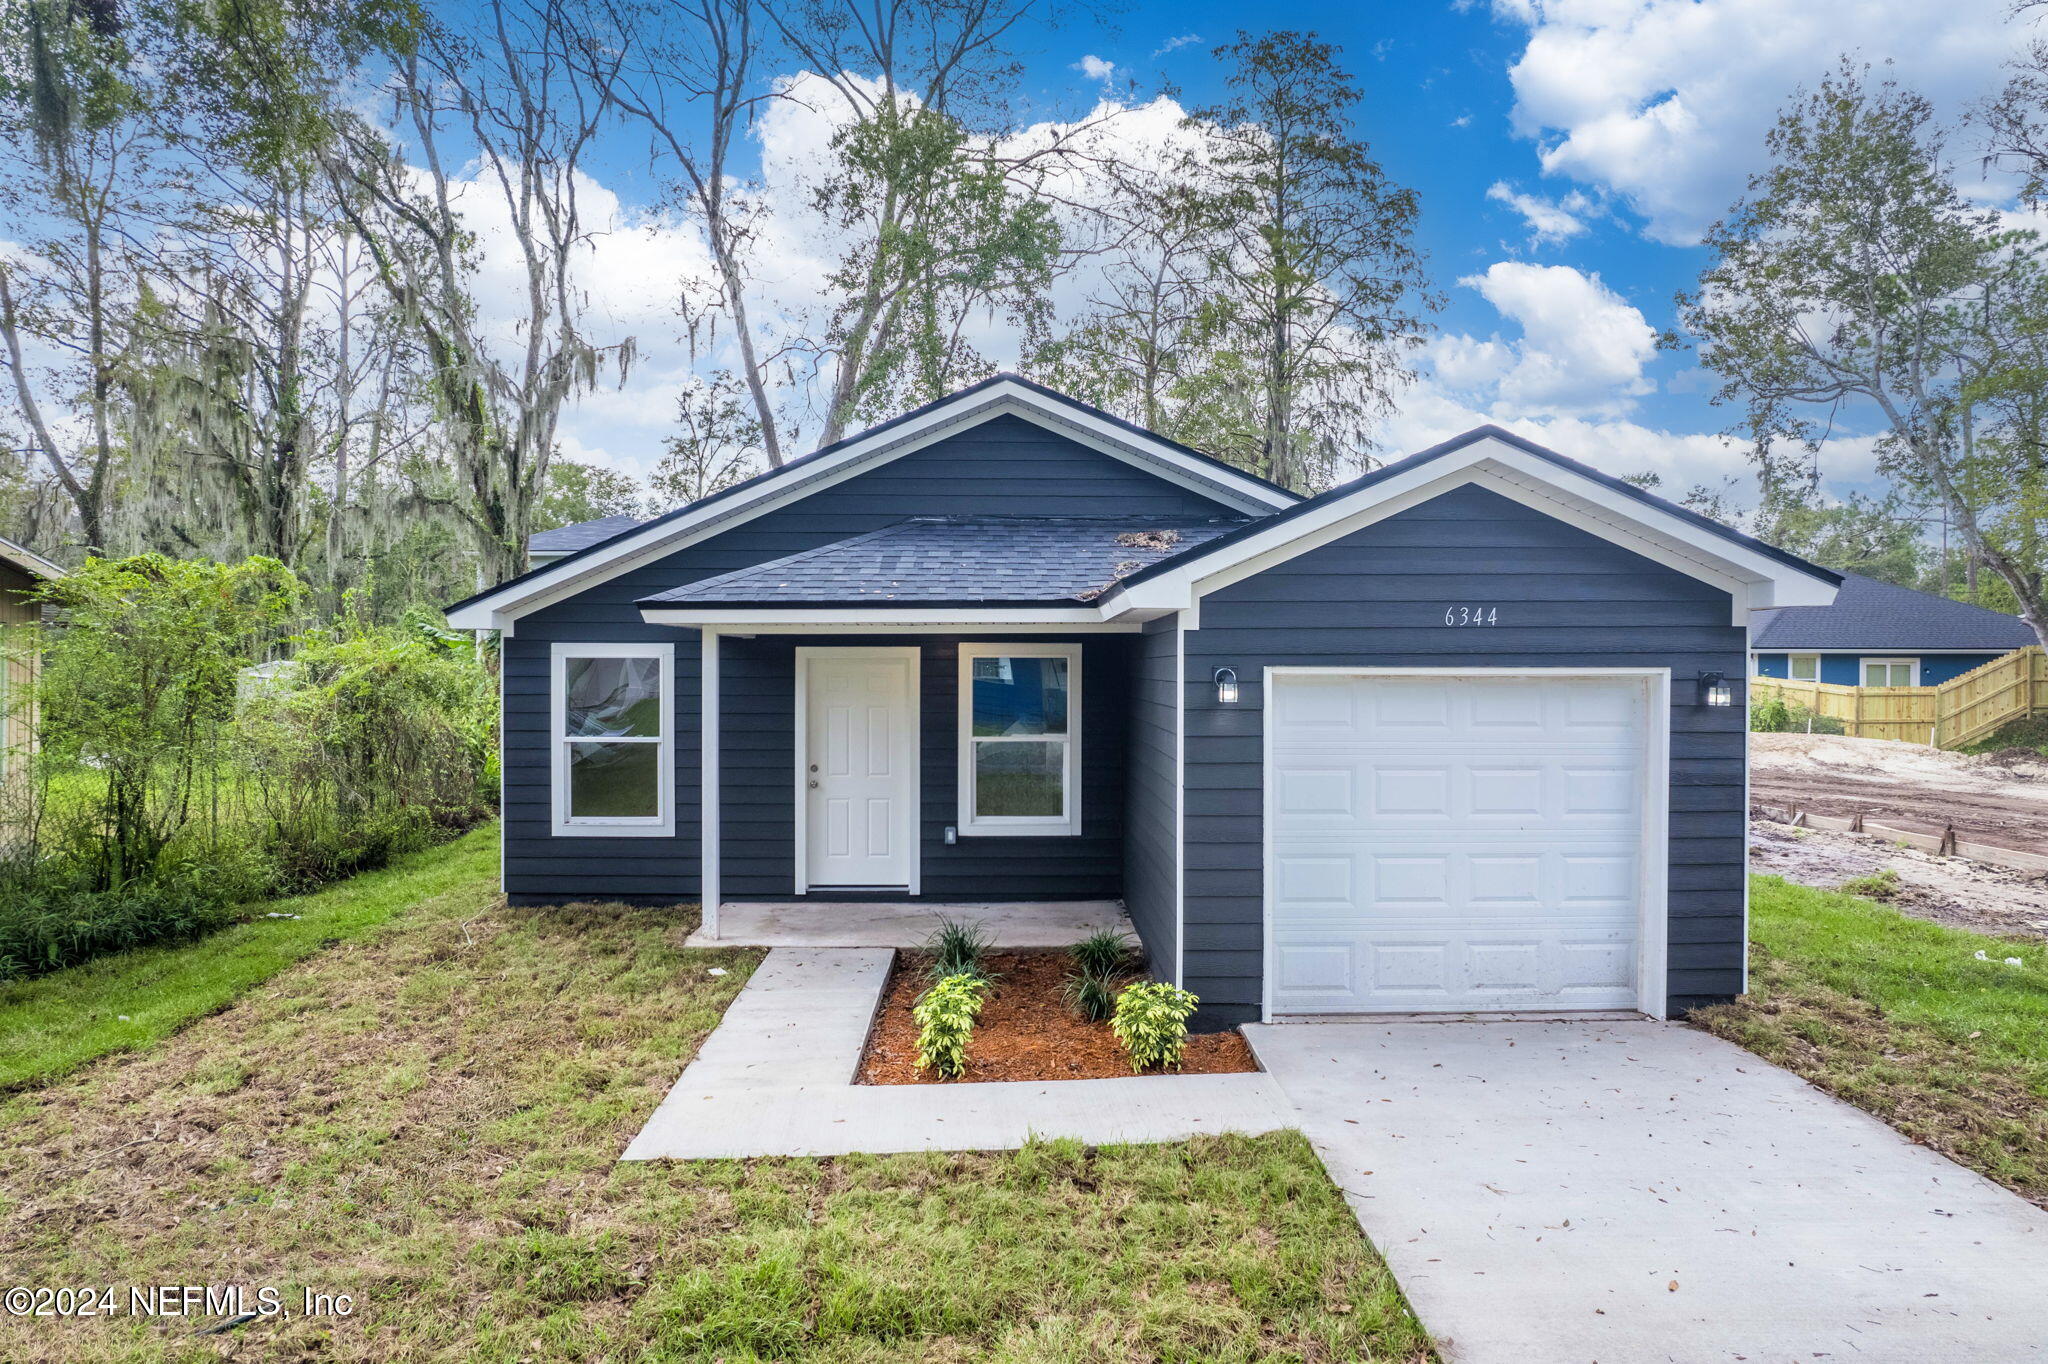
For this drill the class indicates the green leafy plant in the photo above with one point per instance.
(1090, 993)
(1152, 1023)
(945, 1017)
(959, 949)
(1106, 953)
(1882, 884)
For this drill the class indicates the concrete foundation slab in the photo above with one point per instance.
(805, 923)
(1554, 1193)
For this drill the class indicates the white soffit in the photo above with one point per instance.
(498, 610)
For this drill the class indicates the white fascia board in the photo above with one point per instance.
(1752, 579)
(498, 610)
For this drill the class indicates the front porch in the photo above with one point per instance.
(904, 924)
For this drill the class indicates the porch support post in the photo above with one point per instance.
(707, 772)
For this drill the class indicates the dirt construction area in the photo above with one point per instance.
(1997, 799)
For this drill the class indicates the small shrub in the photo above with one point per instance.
(1882, 884)
(945, 1017)
(1152, 1023)
(1091, 994)
(46, 929)
(959, 949)
(1105, 954)
(1770, 717)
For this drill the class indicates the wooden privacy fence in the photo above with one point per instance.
(1959, 711)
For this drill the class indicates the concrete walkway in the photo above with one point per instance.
(1636, 1191)
(776, 1079)
(846, 924)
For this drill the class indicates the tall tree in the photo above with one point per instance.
(508, 86)
(1316, 290)
(80, 180)
(713, 446)
(1855, 275)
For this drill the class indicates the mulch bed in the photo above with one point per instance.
(1025, 1031)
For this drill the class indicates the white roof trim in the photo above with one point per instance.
(28, 561)
(828, 618)
(1752, 578)
(499, 609)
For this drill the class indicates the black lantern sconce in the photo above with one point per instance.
(1226, 686)
(1716, 690)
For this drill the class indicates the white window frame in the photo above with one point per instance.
(1863, 670)
(663, 824)
(1792, 662)
(1066, 825)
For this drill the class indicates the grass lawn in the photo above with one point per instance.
(1897, 1016)
(427, 1117)
(52, 1024)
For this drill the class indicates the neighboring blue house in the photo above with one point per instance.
(1880, 635)
(1447, 737)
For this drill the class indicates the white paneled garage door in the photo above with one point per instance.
(1455, 843)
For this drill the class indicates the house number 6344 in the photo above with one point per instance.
(1471, 615)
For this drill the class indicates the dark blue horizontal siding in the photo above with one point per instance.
(1005, 465)
(1376, 599)
(1152, 779)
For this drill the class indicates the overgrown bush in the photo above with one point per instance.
(177, 780)
(1152, 1023)
(945, 1017)
(1776, 715)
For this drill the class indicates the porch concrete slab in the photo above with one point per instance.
(907, 924)
(840, 1120)
(1639, 1191)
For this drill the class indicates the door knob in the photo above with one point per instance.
(814, 785)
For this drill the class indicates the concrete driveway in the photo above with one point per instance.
(1636, 1191)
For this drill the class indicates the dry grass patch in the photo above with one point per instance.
(429, 1119)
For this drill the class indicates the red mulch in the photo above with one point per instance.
(1025, 1031)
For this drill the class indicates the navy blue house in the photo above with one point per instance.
(1452, 736)
(1876, 634)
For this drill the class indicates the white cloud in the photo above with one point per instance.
(1175, 44)
(1094, 68)
(1550, 221)
(1581, 352)
(1665, 103)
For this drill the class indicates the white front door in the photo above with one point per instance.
(857, 768)
(1456, 843)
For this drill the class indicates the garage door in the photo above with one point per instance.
(1448, 844)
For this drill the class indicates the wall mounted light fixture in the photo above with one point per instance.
(1715, 690)
(1226, 686)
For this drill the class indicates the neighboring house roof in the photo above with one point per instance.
(582, 535)
(28, 561)
(1871, 614)
(1002, 394)
(957, 561)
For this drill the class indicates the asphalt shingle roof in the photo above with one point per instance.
(1869, 614)
(981, 560)
(582, 535)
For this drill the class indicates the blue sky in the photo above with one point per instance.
(1567, 155)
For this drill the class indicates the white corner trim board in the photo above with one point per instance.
(499, 609)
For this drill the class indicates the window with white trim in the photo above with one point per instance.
(612, 718)
(1803, 667)
(1891, 672)
(1020, 739)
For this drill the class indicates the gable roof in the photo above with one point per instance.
(579, 535)
(28, 561)
(953, 561)
(1756, 574)
(1001, 394)
(1869, 613)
